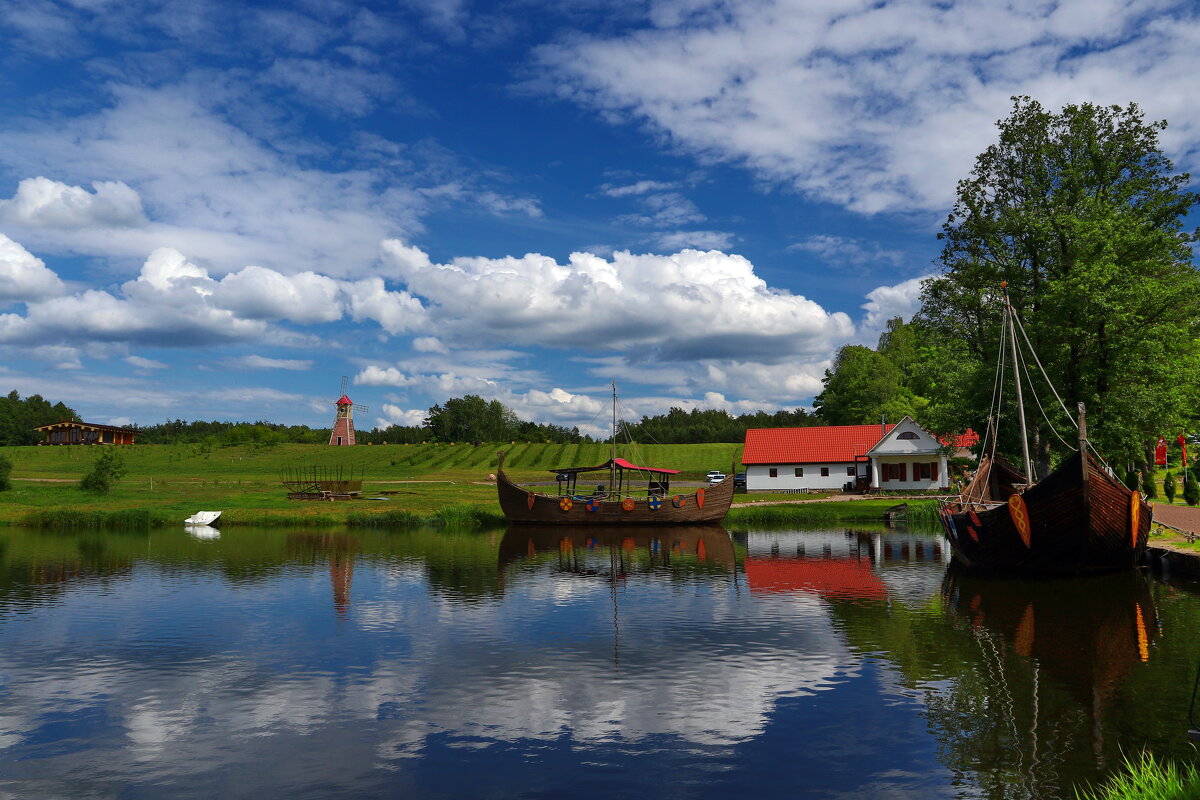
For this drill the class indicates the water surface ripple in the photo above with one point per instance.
(689, 663)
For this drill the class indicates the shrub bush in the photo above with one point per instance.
(1191, 489)
(5, 471)
(1131, 479)
(1149, 487)
(107, 469)
(1169, 486)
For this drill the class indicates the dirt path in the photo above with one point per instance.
(1185, 518)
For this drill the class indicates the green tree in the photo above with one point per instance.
(1131, 479)
(1169, 486)
(1149, 488)
(472, 419)
(1191, 489)
(19, 418)
(862, 387)
(899, 343)
(5, 472)
(1082, 214)
(107, 469)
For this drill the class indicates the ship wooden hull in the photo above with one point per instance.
(528, 507)
(1079, 519)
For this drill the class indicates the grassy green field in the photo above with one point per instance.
(171, 482)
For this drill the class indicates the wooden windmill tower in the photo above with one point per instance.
(343, 424)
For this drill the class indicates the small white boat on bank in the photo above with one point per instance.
(202, 518)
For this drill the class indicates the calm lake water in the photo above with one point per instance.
(537, 663)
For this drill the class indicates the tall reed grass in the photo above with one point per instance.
(455, 516)
(125, 519)
(1149, 779)
(919, 511)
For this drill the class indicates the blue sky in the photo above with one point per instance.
(215, 210)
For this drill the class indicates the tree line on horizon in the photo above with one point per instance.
(459, 419)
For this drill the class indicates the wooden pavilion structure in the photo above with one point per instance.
(69, 432)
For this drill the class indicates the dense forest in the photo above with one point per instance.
(708, 425)
(18, 417)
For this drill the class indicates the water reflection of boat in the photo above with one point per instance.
(1086, 631)
(1051, 654)
(702, 544)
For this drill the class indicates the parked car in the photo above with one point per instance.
(739, 480)
(716, 476)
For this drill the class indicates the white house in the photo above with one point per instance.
(820, 458)
(903, 456)
(908, 457)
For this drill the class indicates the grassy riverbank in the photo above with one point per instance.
(418, 485)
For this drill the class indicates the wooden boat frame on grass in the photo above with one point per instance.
(1077, 519)
(321, 482)
(620, 504)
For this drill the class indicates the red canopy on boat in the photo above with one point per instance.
(621, 464)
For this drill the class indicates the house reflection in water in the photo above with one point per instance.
(845, 564)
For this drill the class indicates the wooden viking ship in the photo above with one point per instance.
(1077, 519)
(619, 502)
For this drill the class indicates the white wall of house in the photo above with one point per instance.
(759, 478)
(919, 452)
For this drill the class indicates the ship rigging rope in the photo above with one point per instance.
(1028, 380)
(997, 399)
(1046, 377)
(1062, 405)
(622, 414)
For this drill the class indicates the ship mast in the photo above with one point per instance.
(1012, 340)
(612, 466)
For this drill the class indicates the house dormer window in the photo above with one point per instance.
(907, 435)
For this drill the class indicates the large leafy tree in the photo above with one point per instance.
(864, 386)
(1082, 214)
(471, 418)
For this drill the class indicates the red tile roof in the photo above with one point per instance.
(343, 401)
(819, 444)
(968, 439)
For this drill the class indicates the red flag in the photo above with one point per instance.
(1160, 453)
(1183, 446)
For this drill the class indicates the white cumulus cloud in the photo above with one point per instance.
(885, 302)
(23, 276)
(43, 203)
(876, 106)
(685, 306)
